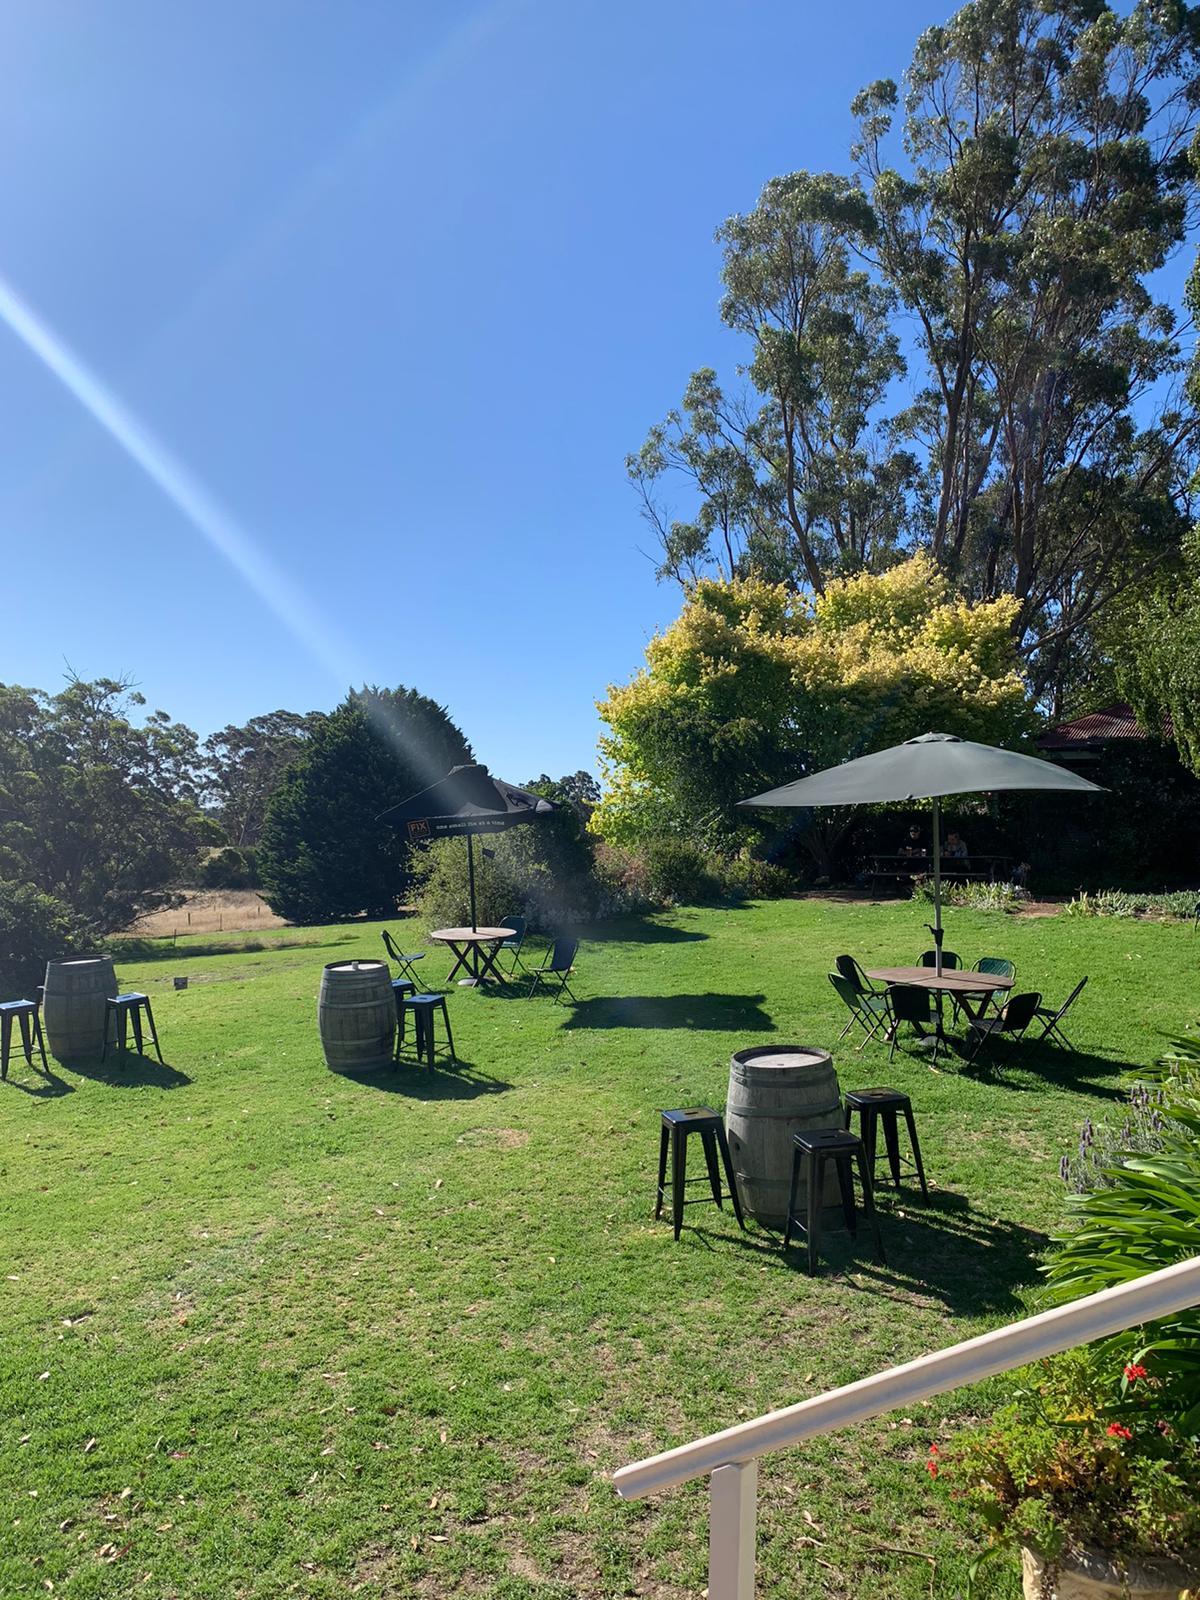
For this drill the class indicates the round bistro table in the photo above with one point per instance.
(983, 985)
(475, 949)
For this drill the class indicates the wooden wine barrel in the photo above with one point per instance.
(356, 1013)
(776, 1091)
(73, 1010)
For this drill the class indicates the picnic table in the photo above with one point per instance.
(903, 868)
(476, 949)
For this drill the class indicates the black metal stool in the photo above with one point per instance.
(401, 989)
(710, 1125)
(423, 1007)
(887, 1106)
(26, 1014)
(822, 1145)
(128, 1008)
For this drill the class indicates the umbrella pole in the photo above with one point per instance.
(937, 882)
(471, 876)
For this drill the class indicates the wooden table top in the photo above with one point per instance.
(472, 935)
(952, 982)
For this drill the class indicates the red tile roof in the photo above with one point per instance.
(1097, 728)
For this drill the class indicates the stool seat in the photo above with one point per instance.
(818, 1147)
(887, 1106)
(676, 1126)
(127, 1008)
(25, 1014)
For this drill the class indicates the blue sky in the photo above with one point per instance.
(383, 292)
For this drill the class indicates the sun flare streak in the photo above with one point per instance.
(189, 496)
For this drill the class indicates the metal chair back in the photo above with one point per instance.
(849, 969)
(909, 1003)
(518, 926)
(1017, 1013)
(996, 967)
(1070, 1000)
(950, 961)
(846, 990)
(562, 956)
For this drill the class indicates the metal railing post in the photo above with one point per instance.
(732, 1522)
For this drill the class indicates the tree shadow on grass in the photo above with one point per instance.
(449, 1080)
(124, 1069)
(732, 1013)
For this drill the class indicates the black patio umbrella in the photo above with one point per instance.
(925, 768)
(468, 800)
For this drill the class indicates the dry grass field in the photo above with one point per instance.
(207, 911)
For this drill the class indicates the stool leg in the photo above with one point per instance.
(869, 1208)
(122, 1028)
(41, 1041)
(678, 1166)
(26, 1037)
(793, 1190)
(813, 1219)
(135, 1016)
(108, 1018)
(723, 1144)
(153, 1029)
(846, 1119)
(710, 1158)
(910, 1123)
(869, 1128)
(5, 1041)
(449, 1035)
(664, 1139)
(846, 1185)
(891, 1137)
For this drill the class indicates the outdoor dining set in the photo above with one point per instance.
(881, 999)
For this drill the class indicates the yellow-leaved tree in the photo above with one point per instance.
(753, 686)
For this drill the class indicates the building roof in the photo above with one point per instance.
(1097, 729)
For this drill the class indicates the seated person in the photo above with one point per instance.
(912, 846)
(956, 847)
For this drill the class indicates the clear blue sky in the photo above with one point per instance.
(384, 291)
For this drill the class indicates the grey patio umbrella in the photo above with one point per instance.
(925, 768)
(468, 800)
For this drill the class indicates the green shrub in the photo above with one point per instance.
(230, 868)
(34, 928)
(1181, 903)
(1145, 1216)
(1085, 1455)
(975, 895)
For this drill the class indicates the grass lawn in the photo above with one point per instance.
(269, 1331)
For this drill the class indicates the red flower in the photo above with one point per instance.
(931, 1466)
(1118, 1430)
(1133, 1371)
(933, 1450)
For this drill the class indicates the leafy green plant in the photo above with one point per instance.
(34, 928)
(1180, 903)
(973, 896)
(1146, 1216)
(1086, 1455)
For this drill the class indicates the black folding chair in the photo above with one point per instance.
(560, 966)
(403, 961)
(1052, 1018)
(1009, 1023)
(950, 961)
(866, 1008)
(853, 973)
(908, 1003)
(518, 925)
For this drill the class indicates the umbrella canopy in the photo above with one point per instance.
(925, 768)
(468, 800)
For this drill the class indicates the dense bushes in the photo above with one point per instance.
(230, 868)
(1127, 903)
(34, 928)
(324, 854)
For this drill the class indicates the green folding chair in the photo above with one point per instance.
(867, 1009)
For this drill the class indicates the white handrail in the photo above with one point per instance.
(1145, 1299)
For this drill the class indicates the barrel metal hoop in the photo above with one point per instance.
(803, 1114)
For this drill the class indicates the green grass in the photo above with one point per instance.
(269, 1331)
